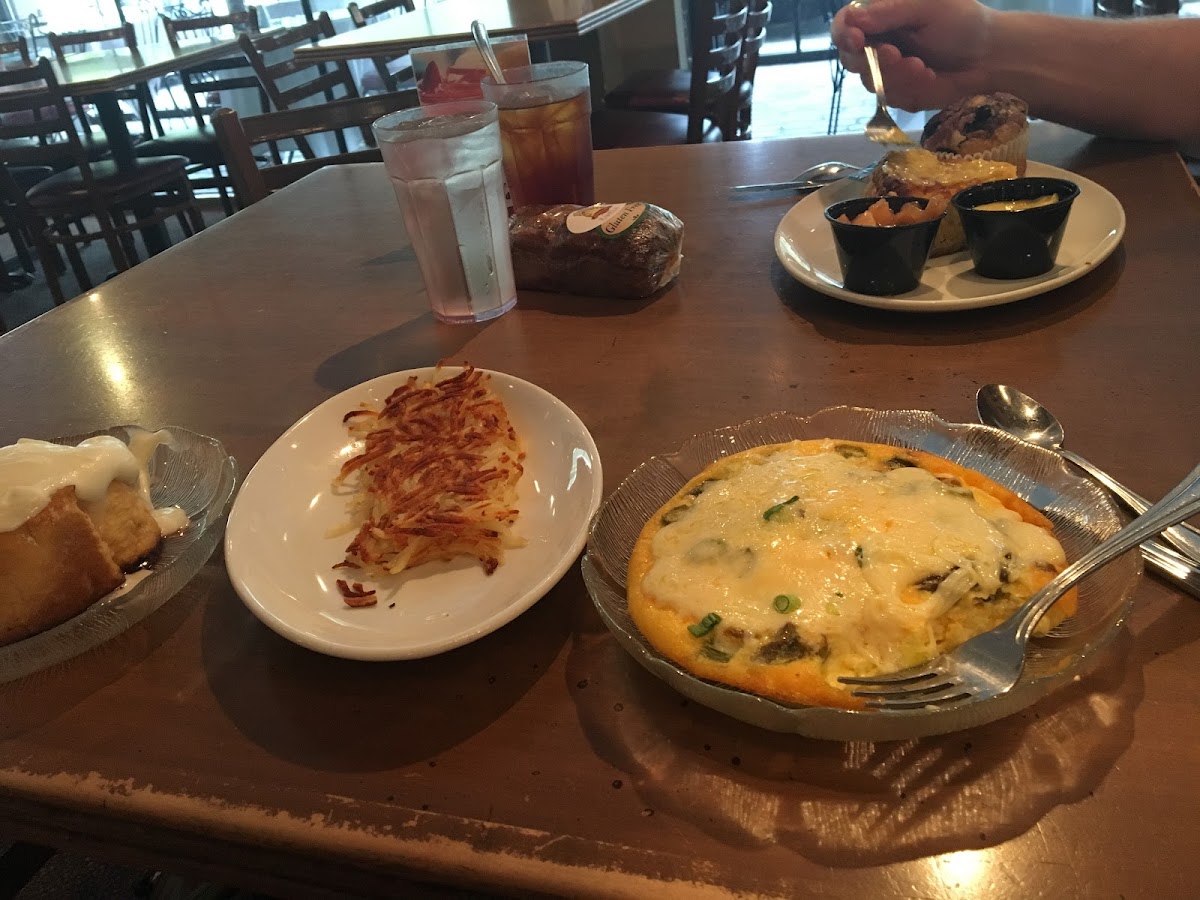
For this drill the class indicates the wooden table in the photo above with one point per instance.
(451, 21)
(439, 23)
(97, 75)
(541, 759)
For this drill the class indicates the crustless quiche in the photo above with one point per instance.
(779, 569)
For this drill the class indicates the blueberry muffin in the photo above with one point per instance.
(986, 126)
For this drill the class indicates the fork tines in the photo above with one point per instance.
(914, 691)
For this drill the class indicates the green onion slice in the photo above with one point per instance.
(705, 625)
(784, 602)
(779, 507)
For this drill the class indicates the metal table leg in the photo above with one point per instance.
(120, 142)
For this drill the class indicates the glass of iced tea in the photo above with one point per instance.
(546, 129)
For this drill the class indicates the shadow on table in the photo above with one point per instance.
(30, 702)
(423, 341)
(856, 804)
(853, 324)
(342, 715)
(583, 307)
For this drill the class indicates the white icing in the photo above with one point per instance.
(32, 471)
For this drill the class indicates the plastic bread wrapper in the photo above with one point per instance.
(618, 250)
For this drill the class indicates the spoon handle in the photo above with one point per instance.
(1183, 537)
(781, 186)
(1175, 567)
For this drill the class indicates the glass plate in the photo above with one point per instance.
(1082, 514)
(191, 471)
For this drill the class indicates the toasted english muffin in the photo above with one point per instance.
(920, 173)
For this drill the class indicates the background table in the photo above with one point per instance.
(97, 75)
(542, 758)
(571, 23)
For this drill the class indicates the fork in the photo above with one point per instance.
(990, 664)
(882, 128)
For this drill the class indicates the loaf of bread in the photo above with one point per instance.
(620, 250)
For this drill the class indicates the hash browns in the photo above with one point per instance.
(436, 479)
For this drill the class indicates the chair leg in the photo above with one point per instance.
(223, 191)
(13, 222)
(51, 263)
(192, 209)
(74, 259)
(125, 237)
(147, 111)
(115, 240)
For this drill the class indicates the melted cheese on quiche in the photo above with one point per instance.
(860, 561)
(922, 165)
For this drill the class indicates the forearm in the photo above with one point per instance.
(1135, 78)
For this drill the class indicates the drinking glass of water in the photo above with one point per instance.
(444, 162)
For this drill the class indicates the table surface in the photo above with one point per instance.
(541, 758)
(540, 20)
(100, 71)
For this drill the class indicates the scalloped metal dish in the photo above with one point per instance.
(192, 471)
(1082, 515)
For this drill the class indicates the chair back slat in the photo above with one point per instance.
(244, 20)
(281, 176)
(361, 15)
(310, 32)
(238, 136)
(318, 85)
(728, 23)
(38, 128)
(61, 43)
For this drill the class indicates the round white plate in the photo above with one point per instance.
(804, 244)
(280, 556)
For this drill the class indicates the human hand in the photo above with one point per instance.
(931, 52)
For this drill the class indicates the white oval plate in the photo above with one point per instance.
(280, 557)
(804, 244)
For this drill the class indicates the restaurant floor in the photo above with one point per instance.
(790, 101)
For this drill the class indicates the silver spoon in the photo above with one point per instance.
(811, 178)
(484, 45)
(1020, 415)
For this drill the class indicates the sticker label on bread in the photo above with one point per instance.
(613, 219)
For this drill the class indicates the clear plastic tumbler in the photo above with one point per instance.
(444, 163)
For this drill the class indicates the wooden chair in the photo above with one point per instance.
(238, 137)
(320, 81)
(754, 35)
(139, 95)
(361, 16)
(199, 142)
(706, 94)
(154, 191)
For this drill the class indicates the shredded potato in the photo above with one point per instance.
(437, 478)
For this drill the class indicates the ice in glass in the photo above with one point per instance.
(444, 164)
(545, 126)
